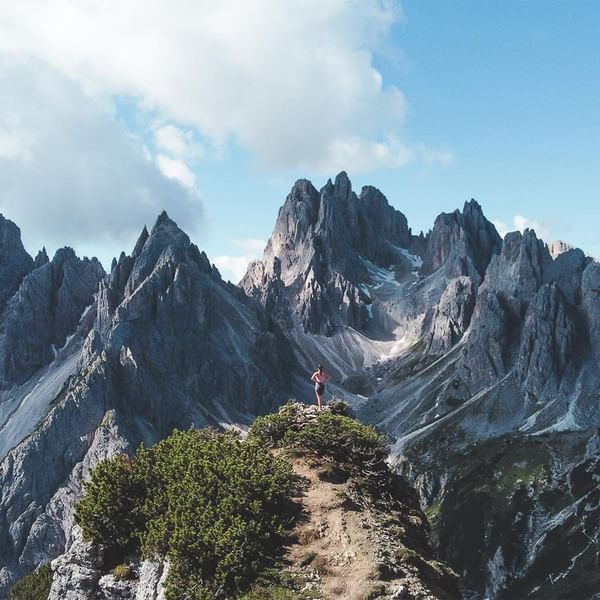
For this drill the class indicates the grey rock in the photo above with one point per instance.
(41, 258)
(548, 343)
(512, 279)
(15, 263)
(465, 344)
(590, 285)
(566, 271)
(446, 323)
(314, 263)
(81, 573)
(76, 574)
(462, 242)
(44, 311)
(558, 247)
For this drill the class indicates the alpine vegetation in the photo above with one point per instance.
(228, 518)
(215, 507)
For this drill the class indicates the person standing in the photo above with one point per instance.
(320, 378)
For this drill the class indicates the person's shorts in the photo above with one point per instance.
(320, 388)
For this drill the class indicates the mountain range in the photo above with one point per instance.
(476, 355)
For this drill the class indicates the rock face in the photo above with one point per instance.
(320, 252)
(340, 267)
(78, 575)
(169, 345)
(44, 311)
(15, 263)
(463, 243)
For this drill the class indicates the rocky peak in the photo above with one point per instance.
(566, 270)
(15, 262)
(380, 226)
(342, 186)
(520, 268)
(45, 310)
(166, 250)
(558, 247)
(467, 238)
(174, 347)
(41, 258)
(144, 235)
(314, 262)
(509, 313)
(548, 343)
(165, 236)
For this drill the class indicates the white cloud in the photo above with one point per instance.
(16, 142)
(294, 82)
(520, 223)
(177, 170)
(178, 143)
(80, 179)
(234, 267)
(366, 155)
(171, 139)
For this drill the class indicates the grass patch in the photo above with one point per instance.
(123, 572)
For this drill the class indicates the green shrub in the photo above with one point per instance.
(270, 593)
(216, 507)
(341, 438)
(271, 429)
(109, 513)
(332, 434)
(35, 586)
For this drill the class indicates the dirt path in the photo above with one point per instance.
(333, 541)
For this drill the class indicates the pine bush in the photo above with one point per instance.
(35, 586)
(216, 507)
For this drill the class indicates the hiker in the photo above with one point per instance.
(320, 378)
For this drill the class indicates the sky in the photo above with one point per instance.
(113, 110)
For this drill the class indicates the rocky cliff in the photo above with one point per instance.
(165, 343)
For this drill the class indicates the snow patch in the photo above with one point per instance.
(380, 276)
(415, 261)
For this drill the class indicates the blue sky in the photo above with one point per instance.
(213, 113)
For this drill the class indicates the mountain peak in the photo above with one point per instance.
(163, 220)
(15, 262)
(41, 258)
(144, 235)
(558, 247)
(472, 207)
(343, 186)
